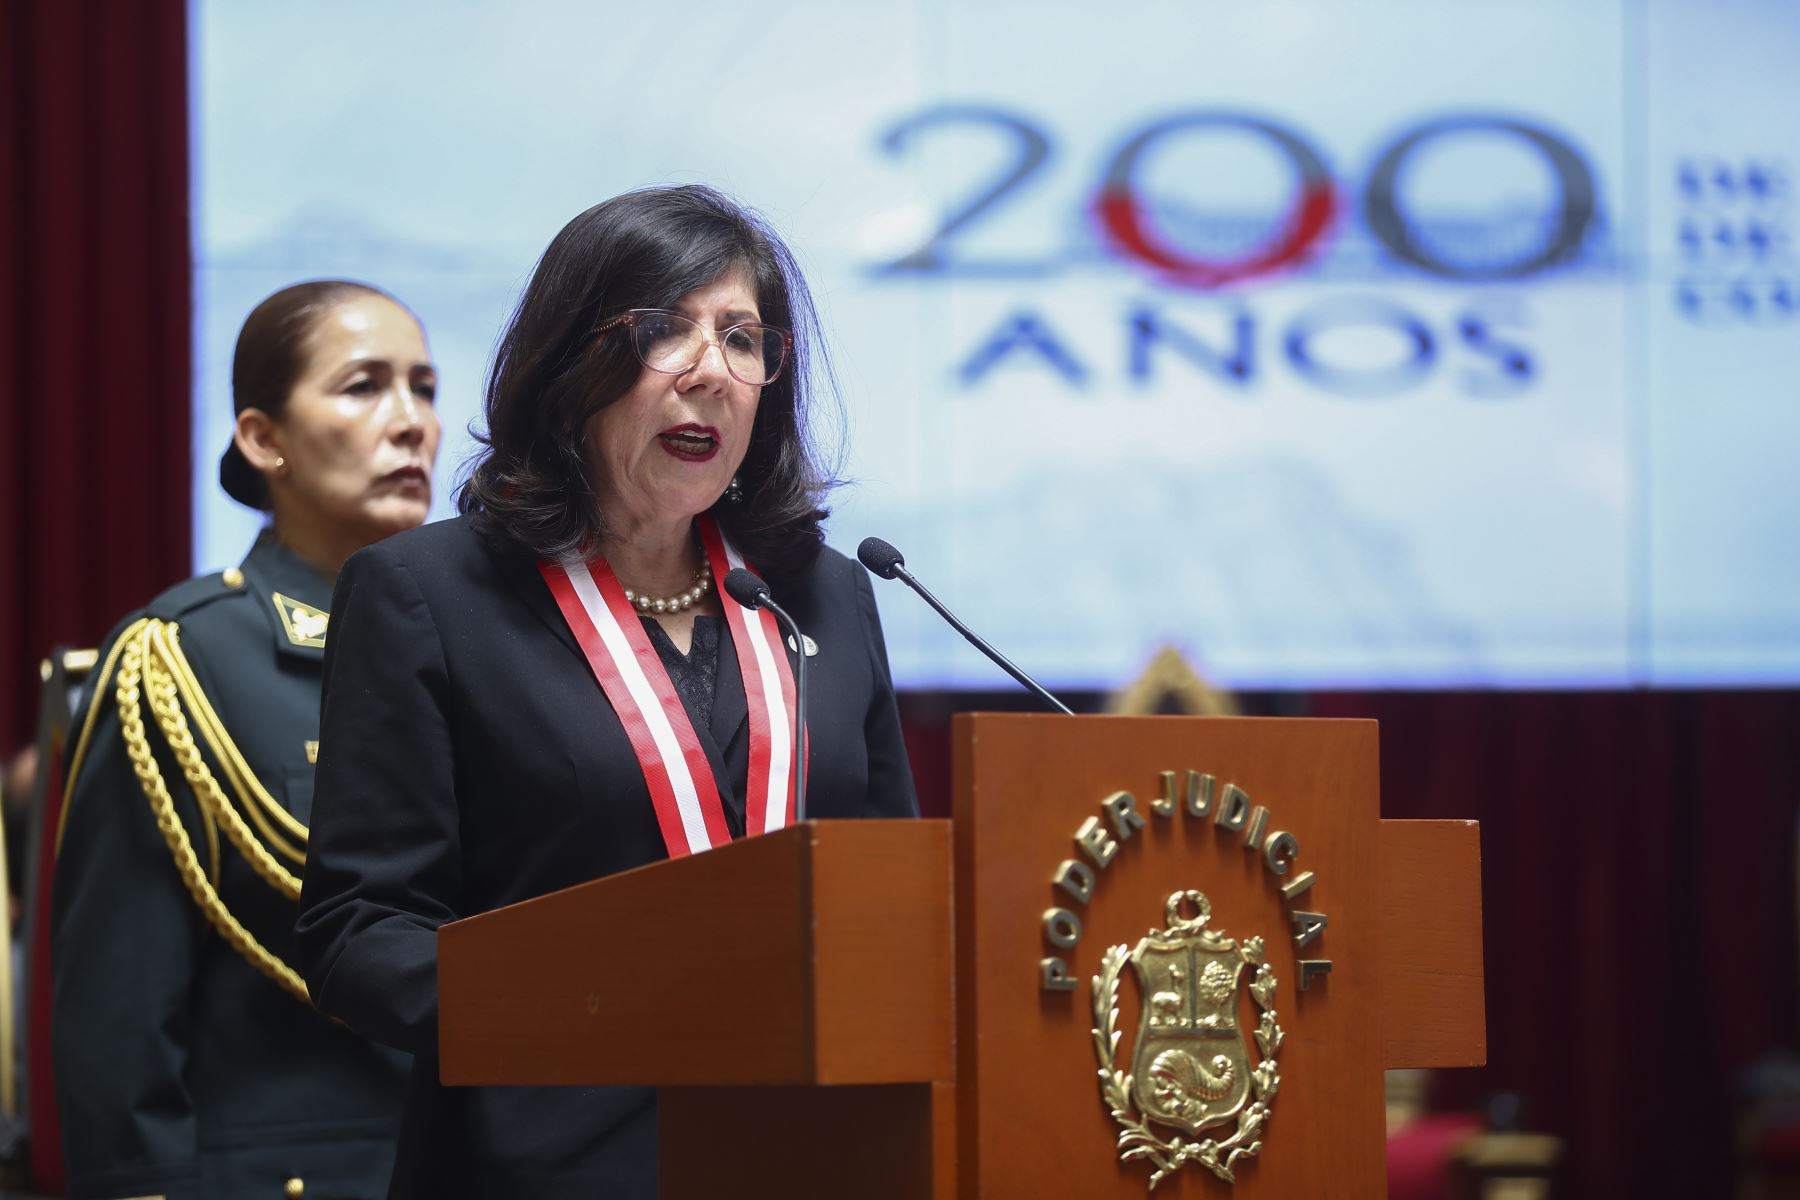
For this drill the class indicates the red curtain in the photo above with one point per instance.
(94, 325)
(1638, 885)
(1638, 880)
(94, 362)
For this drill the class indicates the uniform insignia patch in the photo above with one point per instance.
(305, 625)
(312, 750)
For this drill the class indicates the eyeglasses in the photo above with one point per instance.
(670, 344)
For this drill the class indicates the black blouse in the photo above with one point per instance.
(696, 679)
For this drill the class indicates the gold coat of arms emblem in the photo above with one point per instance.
(1190, 1068)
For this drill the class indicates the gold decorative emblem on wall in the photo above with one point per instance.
(1171, 686)
(1190, 1068)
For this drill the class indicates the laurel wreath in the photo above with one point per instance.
(1136, 1140)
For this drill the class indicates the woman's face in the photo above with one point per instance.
(360, 433)
(664, 451)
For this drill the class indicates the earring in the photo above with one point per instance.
(280, 463)
(733, 492)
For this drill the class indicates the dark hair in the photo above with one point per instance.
(644, 249)
(270, 356)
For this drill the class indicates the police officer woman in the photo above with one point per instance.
(189, 1062)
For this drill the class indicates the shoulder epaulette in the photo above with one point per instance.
(190, 594)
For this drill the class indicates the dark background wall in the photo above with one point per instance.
(94, 324)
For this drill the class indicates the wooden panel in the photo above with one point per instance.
(798, 1143)
(1030, 1117)
(943, 1141)
(1433, 1004)
(881, 911)
(652, 976)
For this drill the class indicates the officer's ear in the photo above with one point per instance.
(259, 440)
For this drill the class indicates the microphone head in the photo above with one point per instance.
(880, 557)
(745, 587)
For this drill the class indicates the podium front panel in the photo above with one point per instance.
(1231, 810)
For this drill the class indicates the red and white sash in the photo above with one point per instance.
(682, 787)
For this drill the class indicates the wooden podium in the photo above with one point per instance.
(908, 1008)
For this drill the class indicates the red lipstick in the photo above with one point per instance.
(690, 442)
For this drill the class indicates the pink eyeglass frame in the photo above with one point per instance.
(630, 317)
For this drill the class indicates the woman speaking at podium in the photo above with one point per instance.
(552, 687)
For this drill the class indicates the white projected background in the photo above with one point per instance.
(1394, 343)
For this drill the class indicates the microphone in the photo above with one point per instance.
(889, 563)
(750, 591)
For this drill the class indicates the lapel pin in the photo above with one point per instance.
(812, 647)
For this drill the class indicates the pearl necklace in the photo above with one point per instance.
(680, 601)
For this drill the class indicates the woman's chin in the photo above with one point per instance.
(693, 501)
(389, 515)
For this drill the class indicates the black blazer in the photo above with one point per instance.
(468, 760)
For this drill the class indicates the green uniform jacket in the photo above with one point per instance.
(189, 1063)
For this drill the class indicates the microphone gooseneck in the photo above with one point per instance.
(889, 563)
(750, 591)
